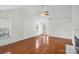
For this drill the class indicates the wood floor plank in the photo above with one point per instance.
(55, 45)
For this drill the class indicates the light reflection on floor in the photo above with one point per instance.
(8, 52)
(42, 40)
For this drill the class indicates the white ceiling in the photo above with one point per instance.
(55, 11)
(8, 7)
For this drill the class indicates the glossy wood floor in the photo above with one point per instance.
(37, 45)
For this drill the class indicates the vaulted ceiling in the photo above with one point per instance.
(55, 11)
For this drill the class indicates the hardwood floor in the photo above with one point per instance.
(54, 45)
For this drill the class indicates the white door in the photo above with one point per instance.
(42, 27)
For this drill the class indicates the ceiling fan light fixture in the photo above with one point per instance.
(44, 13)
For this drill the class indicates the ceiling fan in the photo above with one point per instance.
(45, 12)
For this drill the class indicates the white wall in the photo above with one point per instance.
(62, 28)
(22, 25)
(14, 17)
(29, 29)
(75, 18)
(75, 21)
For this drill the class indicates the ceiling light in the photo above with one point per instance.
(44, 13)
